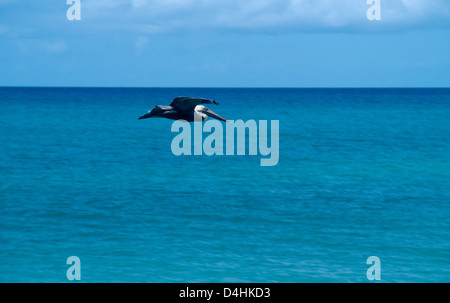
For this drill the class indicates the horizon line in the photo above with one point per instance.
(236, 87)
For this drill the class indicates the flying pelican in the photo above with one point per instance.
(185, 108)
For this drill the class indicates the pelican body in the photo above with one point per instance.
(185, 108)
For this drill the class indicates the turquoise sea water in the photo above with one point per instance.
(362, 172)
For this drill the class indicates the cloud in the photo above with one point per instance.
(54, 46)
(149, 17)
(3, 30)
(29, 46)
(154, 16)
(140, 44)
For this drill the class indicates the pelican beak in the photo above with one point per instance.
(210, 113)
(148, 115)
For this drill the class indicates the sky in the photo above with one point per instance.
(225, 43)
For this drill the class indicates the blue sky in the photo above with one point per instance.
(225, 43)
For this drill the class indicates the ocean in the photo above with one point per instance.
(361, 173)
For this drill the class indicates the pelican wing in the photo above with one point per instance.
(188, 104)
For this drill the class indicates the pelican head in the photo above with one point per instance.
(204, 113)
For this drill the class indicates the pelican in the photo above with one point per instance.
(185, 108)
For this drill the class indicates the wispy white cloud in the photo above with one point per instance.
(3, 30)
(54, 46)
(140, 44)
(153, 16)
(29, 46)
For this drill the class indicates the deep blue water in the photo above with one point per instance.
(362, 172)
